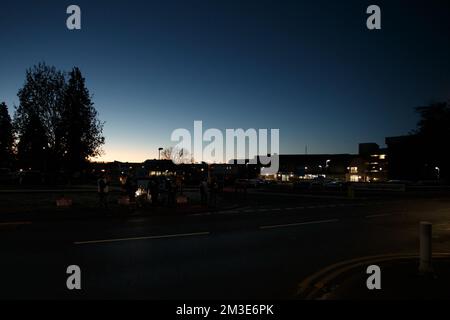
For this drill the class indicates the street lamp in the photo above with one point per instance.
(438, 172)
(327, 163)
(159, 153)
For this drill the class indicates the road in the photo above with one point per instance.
(263, 250)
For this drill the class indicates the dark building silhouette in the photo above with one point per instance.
(410, 160)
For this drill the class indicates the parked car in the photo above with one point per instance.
(301, 185)
(405, 182)
(31, 177)
(6, 176)
(334, 185)
(250, 183)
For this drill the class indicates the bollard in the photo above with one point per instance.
(425, 248)
(351, 192)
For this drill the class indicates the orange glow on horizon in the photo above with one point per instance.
(124, 154)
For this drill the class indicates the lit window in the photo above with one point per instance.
(382, 157)
(353, 169)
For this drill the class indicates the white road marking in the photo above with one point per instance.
(299, 224)
(16, 223)
(379, 215)
(144, 238)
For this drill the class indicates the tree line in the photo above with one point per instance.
(55, 127)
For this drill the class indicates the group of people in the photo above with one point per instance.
(208, 193)
(156, 188)
(162, 186)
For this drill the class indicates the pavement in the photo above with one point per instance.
(262, 250)
(400, 279)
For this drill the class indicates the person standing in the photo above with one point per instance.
(154, 191)
(214, 188)
(103, 190)
(204, 192)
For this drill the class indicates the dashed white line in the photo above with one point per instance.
(144, 238)
(379, 215)
(16, 223)
(299, 224)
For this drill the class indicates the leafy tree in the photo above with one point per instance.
(434, 120)
(56, 123)
(6, 136)
(433, 129)
(32, 148)
(39, 113)
(80, 127)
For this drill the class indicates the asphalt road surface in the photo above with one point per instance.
(263, 250)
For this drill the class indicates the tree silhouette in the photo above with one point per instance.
(6, 137)
(433, 129)
(434, 120)
(33, 147)
(56, 123)
(39, 113)
(80, 128)
(178, 156)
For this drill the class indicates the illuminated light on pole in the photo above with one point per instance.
(438, 172)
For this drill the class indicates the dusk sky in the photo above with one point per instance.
(310, 68)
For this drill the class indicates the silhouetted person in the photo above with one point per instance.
(154, 191)
(204, 192)
(103, 190)
(214, 188)
(130, 189)
(171, 191)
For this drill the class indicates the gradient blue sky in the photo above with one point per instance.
(311, 69)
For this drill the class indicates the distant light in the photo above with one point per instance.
(139, 192)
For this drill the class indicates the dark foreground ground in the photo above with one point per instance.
(263, 248)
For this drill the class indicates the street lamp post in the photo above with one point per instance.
(159, 153)
(438, 172)
(327, 166)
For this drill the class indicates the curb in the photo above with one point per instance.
(319, 285)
